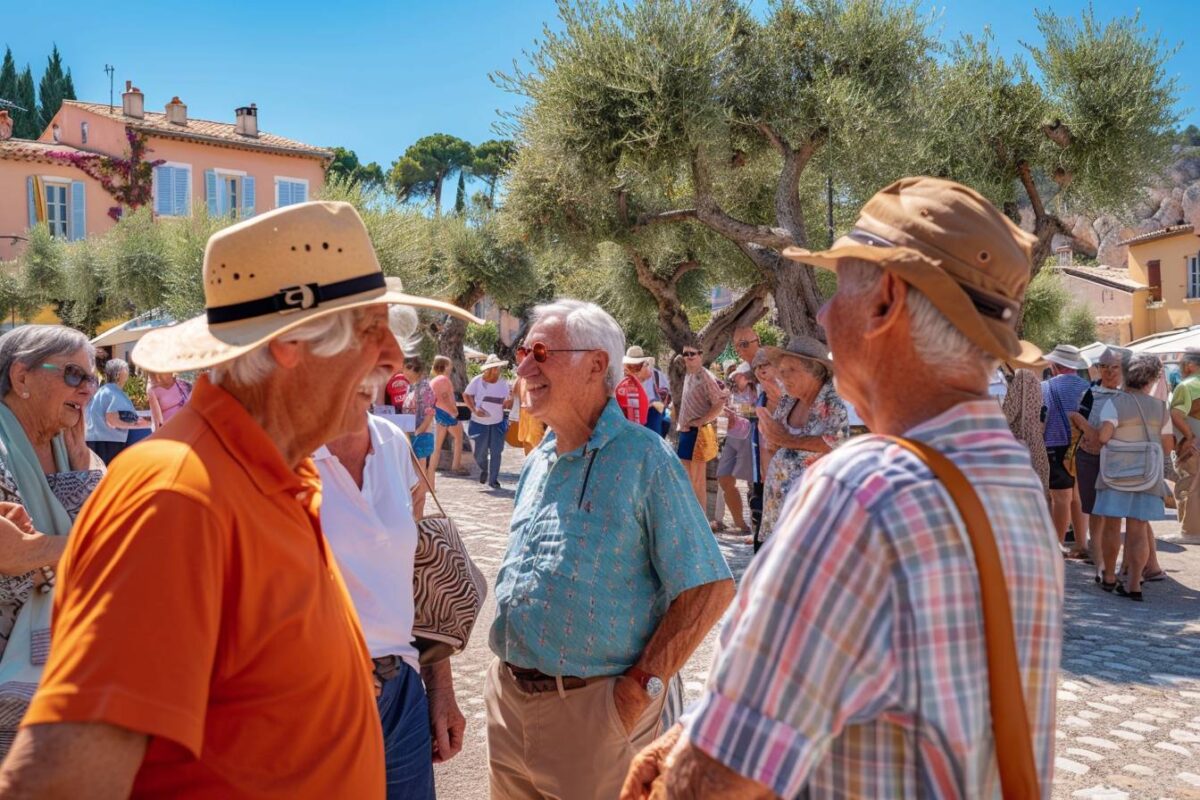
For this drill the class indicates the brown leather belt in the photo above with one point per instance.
(532, 681)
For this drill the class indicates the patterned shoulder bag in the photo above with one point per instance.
(448, 589)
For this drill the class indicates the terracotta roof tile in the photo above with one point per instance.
(1109, 276)
(28, 150)
(155, 123)
(1161, 233)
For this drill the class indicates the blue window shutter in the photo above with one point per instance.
(247, 196)
(32, 202)
(299, 193)
(78, 211)
(281, 193)
(210, 192)
(182, 198)
(163, 180)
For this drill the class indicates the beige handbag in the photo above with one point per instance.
(448, 589)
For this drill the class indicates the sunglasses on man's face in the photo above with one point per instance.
(744, 343)
(73, 375)
(690, 353)
(540, 352)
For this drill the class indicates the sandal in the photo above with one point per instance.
(1106, 586)
(1161, 575)
(1077, 555)
(1131, 595)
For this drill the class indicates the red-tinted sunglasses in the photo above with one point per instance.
(541, 352)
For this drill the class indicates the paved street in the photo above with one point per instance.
(1129, 692)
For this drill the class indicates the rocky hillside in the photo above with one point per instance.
(1175, 200)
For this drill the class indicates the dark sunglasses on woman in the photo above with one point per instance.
(73, 375)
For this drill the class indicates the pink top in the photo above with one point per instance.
(439, 384)
(171, 398)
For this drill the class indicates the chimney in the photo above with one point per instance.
(247, 120)
(176, 112)
(6, 125)
(133, 102)
(1064, 254)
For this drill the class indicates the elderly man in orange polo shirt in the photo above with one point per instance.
(204, 644)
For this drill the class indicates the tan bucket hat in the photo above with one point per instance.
(493, 362)
(269, 274)
(635, 355)
(799, 347)
(948, 241)
(1066, 355)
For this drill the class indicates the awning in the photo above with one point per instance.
(1168, 343)
(134, 329)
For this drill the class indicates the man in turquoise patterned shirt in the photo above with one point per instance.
(611, 579)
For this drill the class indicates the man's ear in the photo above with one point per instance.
(286, 354)
(887, 303)
(600, 363)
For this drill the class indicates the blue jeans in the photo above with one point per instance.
(407, 739)
(489, 441)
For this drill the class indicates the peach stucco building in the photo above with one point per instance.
(225, 167)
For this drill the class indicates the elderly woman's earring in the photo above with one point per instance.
(25, 395)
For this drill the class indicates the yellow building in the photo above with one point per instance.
(1168, 262)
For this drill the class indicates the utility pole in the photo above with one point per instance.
(110, 69)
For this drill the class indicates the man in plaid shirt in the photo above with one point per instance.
(854, 663)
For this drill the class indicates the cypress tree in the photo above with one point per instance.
(8, 77)
(460, 197)
(52, 89)
(25, 124)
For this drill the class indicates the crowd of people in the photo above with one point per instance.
(1102, 437)
(237, 605)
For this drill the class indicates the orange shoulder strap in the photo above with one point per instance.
(1010, 723)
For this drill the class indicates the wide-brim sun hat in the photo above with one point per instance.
(636, 356)
(493, 362)
(949, 242)
(270, 274)
(805, 347)
(1068, 356)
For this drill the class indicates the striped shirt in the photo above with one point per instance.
(858, 628)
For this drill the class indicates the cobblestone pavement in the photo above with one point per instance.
(1129, 692)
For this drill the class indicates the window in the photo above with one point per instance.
(229, 193)
(173, 190)
(83, 131)
(56, 209)
(289, 191)
(1193, 276)
(1154, 278)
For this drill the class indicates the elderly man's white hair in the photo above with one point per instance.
(937, 342)
(589, 327)
(329, 335)
(403, 321)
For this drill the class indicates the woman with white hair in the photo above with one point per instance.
(1129, 418)
(372, 493)
(111, 415)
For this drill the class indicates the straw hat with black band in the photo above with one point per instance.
(949, 242)
(267, 275)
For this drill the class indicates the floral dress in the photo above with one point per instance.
(71, 489)
(828, 419)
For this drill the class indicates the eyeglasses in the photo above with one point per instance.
(690, 353)
(73, 375)
(745, 343)
(541, 352)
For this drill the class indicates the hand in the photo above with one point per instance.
(78, 454)
(631, 700)
(17, 515)
(447, 723)
(768, 426)
(648, 765)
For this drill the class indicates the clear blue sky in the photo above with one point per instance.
(375, 76)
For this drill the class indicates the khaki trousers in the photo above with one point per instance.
(1187, 494)
(568, 746)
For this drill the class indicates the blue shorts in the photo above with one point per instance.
(422, 445)
(687, 444)
(444, 419)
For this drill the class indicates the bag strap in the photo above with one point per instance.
(1010, 723)
(424, 480)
